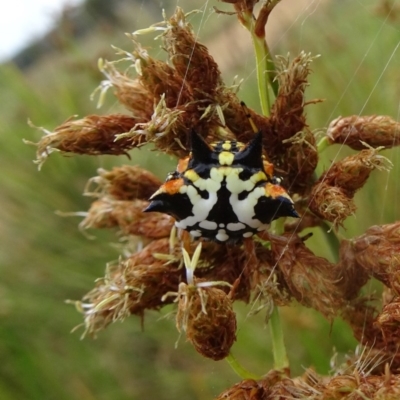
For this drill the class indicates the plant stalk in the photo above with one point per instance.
(240, 371)
(261, 52)
(281, 362)
(323, 144)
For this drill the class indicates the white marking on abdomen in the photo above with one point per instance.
(222, 236)
(201, 208)
(208, 225)
(244, 209)
(235, 226)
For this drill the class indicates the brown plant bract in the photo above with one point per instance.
(312, 280)
(185, 92)
(287, 112)
(331, 203)
(378, 332)
(332, 195)
(91, 135)
(375, 130)
(130, 92)
(353, 276)
(353, 386)
(389, 321)
(168, 101)
(128, 216)
(165, 100)
(191, 59)
(293, 149)
(352, 172)
(122, 196)
(248, 389)
(131, 287)
(377, 252)
(207, 317)
(228, 264)
(123, 183)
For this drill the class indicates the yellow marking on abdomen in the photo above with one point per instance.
(227, 145)
(258, 177)
(191, 175)
(226, 158)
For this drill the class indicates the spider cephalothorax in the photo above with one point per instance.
(225, 191)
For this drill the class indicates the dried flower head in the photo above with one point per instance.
(132, 286)
(128, 217)
(302, 270)
(389, 321)
(377, 253)
(248, 389)
(332, 195)
(205, 313)
(355, 130)
(182, 106)
(123, 183)
(207, 317)
(91, 135)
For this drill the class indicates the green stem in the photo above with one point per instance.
(281, 361)
(265, 72)
(262, 64)
(323, 144)
(242, 372)
(332, 239)
(261, 53)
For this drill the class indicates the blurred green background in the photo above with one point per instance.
(44, 259)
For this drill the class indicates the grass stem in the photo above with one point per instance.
(323, 144)
(240, 371)
(281, 361)
(261, 52)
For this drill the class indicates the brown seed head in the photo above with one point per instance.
(311, 280)
(389, 321)
(340, 386)
(353, 276)
(229, 264)
(379, 334)
(130, 287)
(127, 182)
(130, 91)
(299, 161)
(291, 147)
(191, 59)
(207, 317)
(361, 316)
(288, 110)
(91, 135)
(290, 389)
(161, 79)
(375, 130)
(248, 389)
(352, 172)
(377, 252)
(331, 203)
(128, 217)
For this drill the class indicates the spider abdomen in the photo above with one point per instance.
(222, 192)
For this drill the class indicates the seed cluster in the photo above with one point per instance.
(227, 191)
